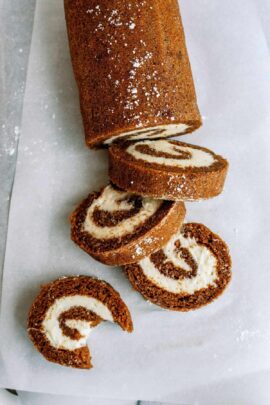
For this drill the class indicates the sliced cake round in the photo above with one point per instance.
(167, 169)
(64, 313)
(117, 227)
(192, 270)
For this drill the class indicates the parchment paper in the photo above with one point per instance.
(16, 22)
(170, 356)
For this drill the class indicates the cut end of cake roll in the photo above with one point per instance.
(64, 313)
(131, 91)
(160, 131)
(167, 169)
(192, 270)
(145, 133)
(117, 227)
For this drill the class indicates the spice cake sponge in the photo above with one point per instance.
(191, 270)
(64, 313)
(132, 69)
(117, 227)
(167, 169)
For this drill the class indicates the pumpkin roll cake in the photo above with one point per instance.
(192, 270)
(117, 227)
(64, 313)
(167, 169)
(132, 69)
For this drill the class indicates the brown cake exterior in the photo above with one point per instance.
(117, 227)
(191, 271)
(65, 305)
(167, 169)
(132, 69)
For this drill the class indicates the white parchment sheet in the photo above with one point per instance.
(170, 355)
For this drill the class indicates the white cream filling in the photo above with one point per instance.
(205, 259)
(80, 325)
(169, 130)
(199, 158)
(115, 200)
(52, 328)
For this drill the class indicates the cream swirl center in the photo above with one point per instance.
(206, 263)
(160, 131)
(113, 201)
(177, 154)
(51, 322)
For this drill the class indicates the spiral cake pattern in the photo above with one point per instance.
(118, 227)
(192, 270)
(64, 313)
(167, 169)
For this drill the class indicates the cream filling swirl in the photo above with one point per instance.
(205, 259)
(144, 133)
(198, 157)
(114, 200)
(51, 326)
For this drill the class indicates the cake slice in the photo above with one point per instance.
(117, 227)
(192, 270)
(64, 313)
(132, 69)
(167, 169)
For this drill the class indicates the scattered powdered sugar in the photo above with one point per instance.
(138, 250)
(9, 148)
(10, 151)
(180, 186)
(149, 240)
(16, 132)
(140, 61)
(251, 336)
(95, 10)
(247, 335)
(100, 27)
(132, 88)
(155, 90)
(115, 19)
(115, 29)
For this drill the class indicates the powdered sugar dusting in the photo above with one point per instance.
(9, 148)
(115, 28)
(138, 250)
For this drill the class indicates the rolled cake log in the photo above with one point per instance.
(192, 270)
(116, 227)
(64, 313)
(132, 69)
(167, 169)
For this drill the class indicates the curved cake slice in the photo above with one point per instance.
(64, 313)
(169, 170)
(192, 270)
(132, 69)
(117, 227)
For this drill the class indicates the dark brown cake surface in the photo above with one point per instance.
(132, 68)
(167, 169)
(65, 311)
(191, 271)
(118, 227)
